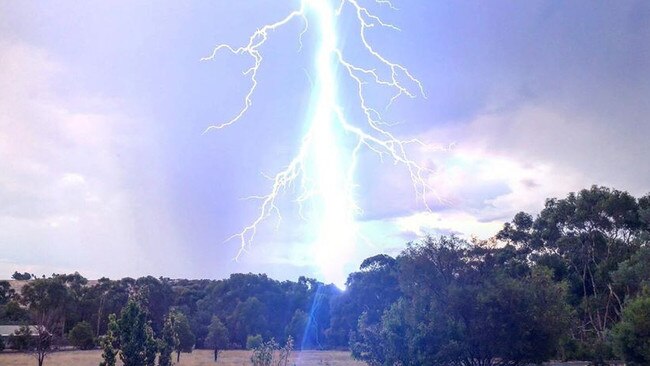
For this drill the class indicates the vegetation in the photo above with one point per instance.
(168, 342)
(133, 335)
(254, 341)
(632, 334)
(22, 276)
(109, 343)
(271, 354)
(569, 283)
(183, 333)
(217, 338)
(81, 336)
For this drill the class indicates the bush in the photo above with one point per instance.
(632, 335)
(2, 344)
(254, 341)
(21, 339)
(81, 336)
(265, 354)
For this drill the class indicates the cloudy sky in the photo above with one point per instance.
(105, 169)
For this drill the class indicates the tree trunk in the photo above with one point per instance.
(178, 356)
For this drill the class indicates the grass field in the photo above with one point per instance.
(196, 358)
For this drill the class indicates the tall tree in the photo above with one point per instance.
(371, 290)
(248, 318)
(184, 334)
(217, 338)
(168, 342)
(583, 238)
(109, 343)
(133, 333)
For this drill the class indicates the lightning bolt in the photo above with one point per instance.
(325, 164)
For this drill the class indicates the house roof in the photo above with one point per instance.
(7, 330)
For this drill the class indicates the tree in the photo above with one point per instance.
(632, 334)
(134, 335)
(583, 238)
(371, 290)
(35, 340)
(109, 343)
(254, 341)
(6, 292)
(151, 346)
(47, 300)
(168, 342)
(81, 336)
(217, 338)
(41, 343)
(156, 295)
(248, 318)
(184, 335)
(297, 326)
(22, 276)
(465, 305)
(13, 313)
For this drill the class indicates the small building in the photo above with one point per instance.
(7, 330)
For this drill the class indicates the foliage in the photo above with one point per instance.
(156, 296)
(134, 335)
(151, 346)
(2, 344)
(632, 334)
(13, 313)
(81, 336)
(371, 290)
(296, 327)
(20, 340)
(6, 292)
(271, 354)
(217, 337)
(22, 276)
(36, 340)
(594, 241)
(254, 341)
(168, 342)
(109, 343)
(183, 333)
(248, 318)
(465, 305)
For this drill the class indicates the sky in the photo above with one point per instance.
(105, 168)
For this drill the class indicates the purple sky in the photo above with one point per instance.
(105, 170)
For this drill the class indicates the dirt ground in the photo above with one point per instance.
(196, 358)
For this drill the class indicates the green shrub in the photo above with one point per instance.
(632, 335)
(254, 341)
(81, 336)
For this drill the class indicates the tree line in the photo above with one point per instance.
(569, 283)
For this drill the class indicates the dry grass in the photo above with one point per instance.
(196, 358)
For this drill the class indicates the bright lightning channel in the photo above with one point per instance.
(325, 164)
